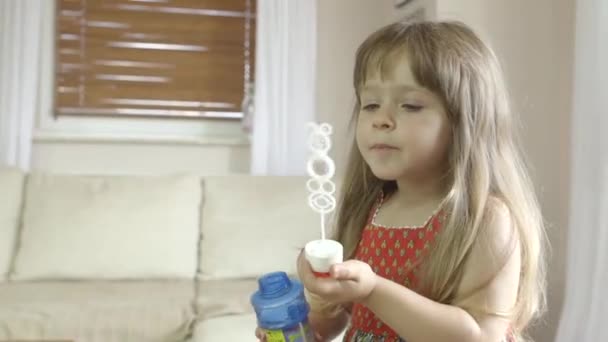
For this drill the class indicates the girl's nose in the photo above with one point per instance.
(383, 120)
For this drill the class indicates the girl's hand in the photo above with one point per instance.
(350, 281)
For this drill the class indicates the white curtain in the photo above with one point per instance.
(585, 312)
(20, 40)
(284, 85)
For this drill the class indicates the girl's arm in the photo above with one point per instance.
(419, 319)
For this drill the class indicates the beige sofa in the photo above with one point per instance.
(142, 258)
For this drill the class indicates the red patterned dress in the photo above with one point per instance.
(393, 253)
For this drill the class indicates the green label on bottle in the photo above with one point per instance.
(299, 333)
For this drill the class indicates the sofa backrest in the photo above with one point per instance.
(110, 227)
(133, 227)
(253, 225)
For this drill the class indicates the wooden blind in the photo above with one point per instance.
(153, 58)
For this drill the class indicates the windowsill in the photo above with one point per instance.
(71, 138)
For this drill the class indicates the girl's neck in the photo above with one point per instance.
(415, 192)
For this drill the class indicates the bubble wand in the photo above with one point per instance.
(321, 169)
(323, 253)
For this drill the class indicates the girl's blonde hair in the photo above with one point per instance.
(450, 60)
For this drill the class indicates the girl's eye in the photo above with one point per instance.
(371, 107)
(411, 108)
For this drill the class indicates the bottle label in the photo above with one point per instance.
(299, 333)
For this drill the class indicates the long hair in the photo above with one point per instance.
(485, 162)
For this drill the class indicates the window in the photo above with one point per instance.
(154, 58)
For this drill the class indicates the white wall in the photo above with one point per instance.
(343, 25)
(131, 146)
(535, 40)
(148, 146)
(119, 157)
(116, 156)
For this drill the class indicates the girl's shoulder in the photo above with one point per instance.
(497, 212)
(499, 239)
(493, 268)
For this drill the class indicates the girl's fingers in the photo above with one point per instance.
(348, 270)
(260, 335)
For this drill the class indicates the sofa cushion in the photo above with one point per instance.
(253, 225)
(217, 298)
(97, 311)
(79, 227)
(11, 189)
(226, 328)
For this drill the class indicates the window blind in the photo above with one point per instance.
(154, 58)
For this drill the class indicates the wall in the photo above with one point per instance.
(134, 147)
(124, 155)
(127, 146)
(342, 26)
(94, 156)
(535, 40)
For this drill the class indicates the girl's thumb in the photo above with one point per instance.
(341, 272)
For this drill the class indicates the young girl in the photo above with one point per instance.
(442, 232)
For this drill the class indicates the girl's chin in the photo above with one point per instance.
(386, 174)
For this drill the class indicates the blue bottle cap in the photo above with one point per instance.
(279, 302)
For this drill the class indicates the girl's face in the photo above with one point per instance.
(403, 130)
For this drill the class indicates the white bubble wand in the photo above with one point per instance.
(321, 168)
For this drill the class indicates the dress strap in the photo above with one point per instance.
(374, 211)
